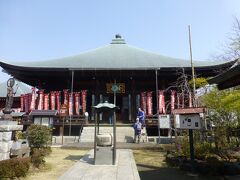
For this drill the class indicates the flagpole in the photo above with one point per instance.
(192, 65)
(191, 147)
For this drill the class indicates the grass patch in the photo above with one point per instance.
(151, 165)
(59, 161)
(147, 157)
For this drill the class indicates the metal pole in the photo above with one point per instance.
(194, 102)
(159, 131)
(95, 136)
(62, 127)
(114, 129)
(70, 120)
(191, 149)
(192, 65)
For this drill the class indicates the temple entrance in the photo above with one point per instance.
(122, 114)
(125, 109)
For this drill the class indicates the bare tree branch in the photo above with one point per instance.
(231, 49)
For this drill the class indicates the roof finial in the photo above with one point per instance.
(118, 36)
(118, 40)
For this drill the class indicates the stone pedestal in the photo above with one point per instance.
(6, 129)
(104, 139)
(104, 156)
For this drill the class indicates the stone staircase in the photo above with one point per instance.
(123, 134)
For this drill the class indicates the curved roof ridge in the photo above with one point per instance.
(116, 56)
(153, 52)
(52, 59)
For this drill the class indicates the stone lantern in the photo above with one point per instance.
(7, 125)
(104, 143)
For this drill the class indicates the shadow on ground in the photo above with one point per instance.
(73, 157)
(168, 173)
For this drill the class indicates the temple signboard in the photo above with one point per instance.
(64, 110)
(188, 118)
(117, 88)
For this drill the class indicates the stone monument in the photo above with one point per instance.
(104, 143)
(7, 125)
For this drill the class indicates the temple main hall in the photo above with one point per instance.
(119, 73)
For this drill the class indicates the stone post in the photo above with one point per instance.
(6, 129)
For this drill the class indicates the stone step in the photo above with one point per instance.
(123, 134)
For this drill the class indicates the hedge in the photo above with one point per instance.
(14, 168)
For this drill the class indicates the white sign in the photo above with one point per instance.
(187, 121)
(164, 121)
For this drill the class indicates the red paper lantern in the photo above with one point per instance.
(58, 101)
(161, 102)
(52, 100)
(77, 101)
(143, 101)
(65, 96)
(33, 100)
(40, 101)
(84, 101)
(149, 103)
(22, 102)
(46, 102)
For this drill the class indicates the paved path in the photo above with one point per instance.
(84, 169)
(119, 145)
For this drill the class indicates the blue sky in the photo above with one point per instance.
(45, 29)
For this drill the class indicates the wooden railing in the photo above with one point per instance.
(74, 120)
(151, 120)
(58, 120)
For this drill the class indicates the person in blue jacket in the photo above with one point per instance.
(137, 130)
(141, 116)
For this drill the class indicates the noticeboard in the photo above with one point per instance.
(164, 121)
(187, 121)
(63, 110)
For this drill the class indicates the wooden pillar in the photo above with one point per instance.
(61, 131)
(133, 101)
(138, 104)
(95, 137)
(129, 107)
(93, 104)
(101, 101)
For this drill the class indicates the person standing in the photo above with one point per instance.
(137, 130)
(141, 116)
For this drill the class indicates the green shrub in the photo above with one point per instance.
(237, 158)
(183, 147)
(14, 168)
(202, 150)
(37, 157)
(39, 136)
(21, 135)
(46, 150)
